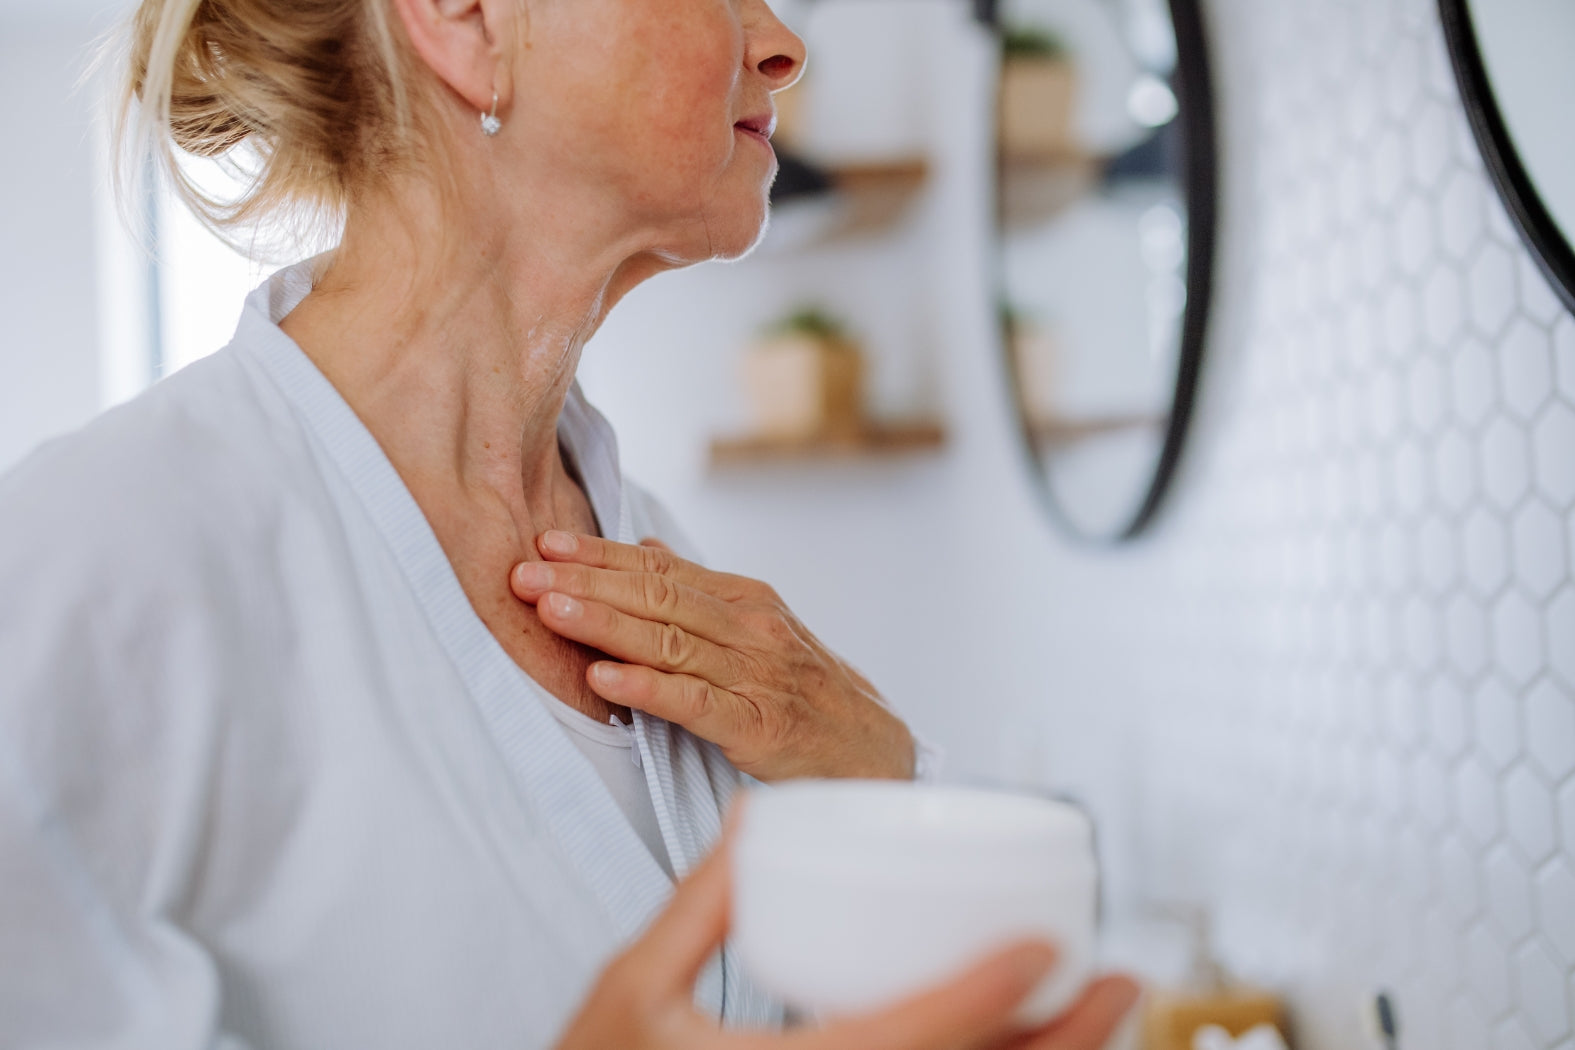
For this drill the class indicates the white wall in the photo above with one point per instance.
(49, 377)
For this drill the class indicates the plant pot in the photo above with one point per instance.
(802, 387)
(1037, 107)
(1034, 353)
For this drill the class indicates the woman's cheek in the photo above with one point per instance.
(702, 98)
(697, 136)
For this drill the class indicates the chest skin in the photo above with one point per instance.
(483, 548)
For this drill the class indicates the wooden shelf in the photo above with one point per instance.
(1071, 157)
(1070, 431)
(876, 440)
(865, 199)
(877, 195)
(895, 176)
(1036, 187)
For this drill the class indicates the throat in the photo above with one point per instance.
(556, 664)
(483, 542)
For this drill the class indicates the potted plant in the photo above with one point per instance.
(805, 378)
(1038, 90)
(1032, 345)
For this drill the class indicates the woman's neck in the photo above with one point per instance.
(457, 347)
(458, 352)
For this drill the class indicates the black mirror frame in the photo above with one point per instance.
(1548, 245)
(1194, 89)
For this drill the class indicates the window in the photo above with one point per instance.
(174, 297)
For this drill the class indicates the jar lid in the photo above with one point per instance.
(849, 821)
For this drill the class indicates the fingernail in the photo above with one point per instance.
(563, 607)
(559, 542)
(534, 575)
(607, 674)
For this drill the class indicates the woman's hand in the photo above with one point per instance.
(720, 655)
(645, 998)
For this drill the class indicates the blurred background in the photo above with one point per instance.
(1324, 705)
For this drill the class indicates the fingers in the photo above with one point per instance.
(645, 997)
(1089, 1024)
(975, 1010)
(649, 596)
(706, 710)
(599, 553)
(632, 639)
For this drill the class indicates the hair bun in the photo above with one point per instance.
(310, 87)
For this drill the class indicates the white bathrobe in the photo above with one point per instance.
(266, 780)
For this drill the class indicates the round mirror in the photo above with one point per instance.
(1515, 63)
(1106, 174)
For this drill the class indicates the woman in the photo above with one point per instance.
(340, 705)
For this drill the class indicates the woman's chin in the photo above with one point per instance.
(718, 233)
(741, 236)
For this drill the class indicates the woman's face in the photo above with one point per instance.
(652, 116)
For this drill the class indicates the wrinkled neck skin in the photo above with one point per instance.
(454, 331)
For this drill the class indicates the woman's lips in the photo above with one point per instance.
(750, 133)
(759, 127)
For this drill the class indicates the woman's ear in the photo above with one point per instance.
(463, 42)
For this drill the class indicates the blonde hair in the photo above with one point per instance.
(303, 100)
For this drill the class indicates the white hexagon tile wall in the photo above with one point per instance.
(1360, 724)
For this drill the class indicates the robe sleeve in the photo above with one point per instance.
(927, 760)
(76, 967)
(108, 733)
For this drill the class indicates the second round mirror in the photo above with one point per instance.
(1105, 196)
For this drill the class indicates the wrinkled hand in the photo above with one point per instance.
(644, 1000)
(720, 655)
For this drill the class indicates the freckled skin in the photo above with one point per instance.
(455, 310)
(645, 97)
(624, 110)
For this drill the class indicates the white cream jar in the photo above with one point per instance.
(849, 895)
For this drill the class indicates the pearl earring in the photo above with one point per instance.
(490, 124)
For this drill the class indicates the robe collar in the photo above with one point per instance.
(555, 781)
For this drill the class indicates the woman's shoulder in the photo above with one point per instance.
(201, 452)
(134, 553)
(130, 538)
(132, 568)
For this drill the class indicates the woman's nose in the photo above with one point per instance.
(773, 49)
